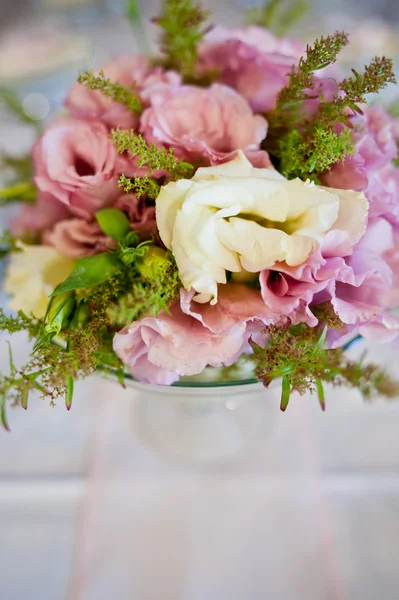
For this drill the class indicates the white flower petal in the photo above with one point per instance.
(169, 201)
(234, 217)
(32, 275)
(352, 216)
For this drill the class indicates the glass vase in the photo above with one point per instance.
(203, 422)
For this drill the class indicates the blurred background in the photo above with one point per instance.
(87, 511)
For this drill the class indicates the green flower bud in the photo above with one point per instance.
(113, 222)
(60, 309)
(153, 261)
(81, 316)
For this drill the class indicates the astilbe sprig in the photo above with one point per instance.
(112, 89)
(53, 369)
(297, 354)
(157, 161)
(81, 348)
(375, 77)
(323, 53)
(326, 315)
(183, 25)
(20, 322)
(148, 296)
(302, 157)
(306, 146)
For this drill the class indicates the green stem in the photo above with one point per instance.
(134, 13)
(25, 191)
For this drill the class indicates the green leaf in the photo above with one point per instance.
(3, 414)
(320, 342)
(24, 398)
(285, 392)
(89, 272)
(69, 392)
(320, 393)
(120, 375)
(113, 222)
(34, 376)
(11, 360)
(133, 10)
(292, 16)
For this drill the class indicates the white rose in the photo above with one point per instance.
(234, 217)
(32, 275)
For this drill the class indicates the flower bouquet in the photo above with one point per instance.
(231, 201)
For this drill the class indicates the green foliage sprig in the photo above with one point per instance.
(84, 322)
(20, 322)
(298, 355)
(323, 53)
(155, 160)
(308, 146)
(113, 90)
(301, 157)
(53, 369)
(149, 295)
(183, 24)
(278, 16)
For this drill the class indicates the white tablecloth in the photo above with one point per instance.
(89, 513)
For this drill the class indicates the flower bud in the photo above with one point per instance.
(61, 307)
(113, 222)
(80, 316)
(154, 259)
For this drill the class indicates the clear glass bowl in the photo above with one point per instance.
(205, 423)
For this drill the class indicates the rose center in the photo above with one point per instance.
(83, 168)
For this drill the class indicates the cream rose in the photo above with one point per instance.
(234, 217)
(32, 275)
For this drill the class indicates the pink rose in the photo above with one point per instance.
(358, 297)
(160, 349)
(34, 219)
(75, 161)
(383, 194)
(370, 169)
(383, 330)
(129, 70)
(77, 238)
(251, 60)
(203, 123)
(141, 216)
(358, 281)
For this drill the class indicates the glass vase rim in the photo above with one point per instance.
(234, 383)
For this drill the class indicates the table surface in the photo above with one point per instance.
(87, 512)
